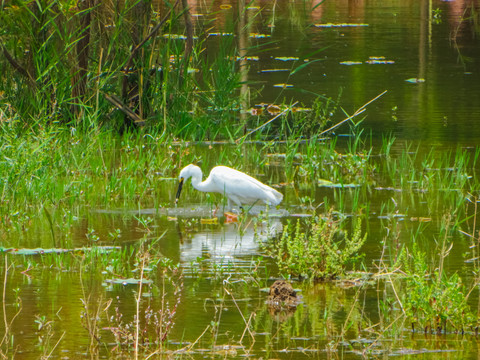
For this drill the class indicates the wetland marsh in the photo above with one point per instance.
(377, 231)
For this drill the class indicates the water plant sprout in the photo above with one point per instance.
(238, 187)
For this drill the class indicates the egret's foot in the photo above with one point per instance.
(230, 217)
(214, 213)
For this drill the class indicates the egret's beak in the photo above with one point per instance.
(180, 185)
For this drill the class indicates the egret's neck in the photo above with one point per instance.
(198, 184)
(197, 180)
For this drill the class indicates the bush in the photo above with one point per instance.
(320, 250)
(434, 301)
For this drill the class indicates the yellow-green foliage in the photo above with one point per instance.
(318, 249)
(433, 301)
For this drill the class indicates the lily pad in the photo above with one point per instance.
(129, 281)
(421, 219)
(274, 109)
(211, 221)
(415, 80)
(41, 251)
(259, 36)
(175, 36)
(248, 58)
(35, 251)
(273, 70)
(327, 183)
(350, 63)
(301, 109)
(283, 86)
(375, 62)
(286, 58)
(332, 25)
(219, 34)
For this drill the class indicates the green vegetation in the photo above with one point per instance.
(107, 171)
(317, 250)
(102, 103)
(129, 67)
(434, 301)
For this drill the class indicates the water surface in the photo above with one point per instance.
(224, 273)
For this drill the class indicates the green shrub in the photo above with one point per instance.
(434, 301)
(319, 250)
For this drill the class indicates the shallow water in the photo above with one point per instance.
(224, 274)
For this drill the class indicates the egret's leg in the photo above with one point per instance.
(215, 211)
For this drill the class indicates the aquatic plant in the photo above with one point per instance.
(432, 300)
(319, 249)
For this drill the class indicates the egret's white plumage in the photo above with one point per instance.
(238, 187)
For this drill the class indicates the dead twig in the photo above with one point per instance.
(117, 102)
(247, 323)
(356, 113)
(17, 66)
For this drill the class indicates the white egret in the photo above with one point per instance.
(238, 187)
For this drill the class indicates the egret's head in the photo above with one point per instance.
(185, 173)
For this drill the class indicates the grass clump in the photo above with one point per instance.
(318, 250)
(434, 301)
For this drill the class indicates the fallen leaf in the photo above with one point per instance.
(415, 80)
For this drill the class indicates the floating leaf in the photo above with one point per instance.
(259, 36)
(332, 25)
(375, 62)
(421, 219)
(300, 109)
(273, 70)
(212, 221)
(41, 251)
(175, 36)
(286, 58)
(248, 58)
(283, 85)
(274, 109)
(301, 215)
(326, 183)
(415, 80)
(350, 63)
(225, 7)
(220, 34)
(36, 251)
(129, 281)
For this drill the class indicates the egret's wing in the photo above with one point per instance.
(236, 184)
